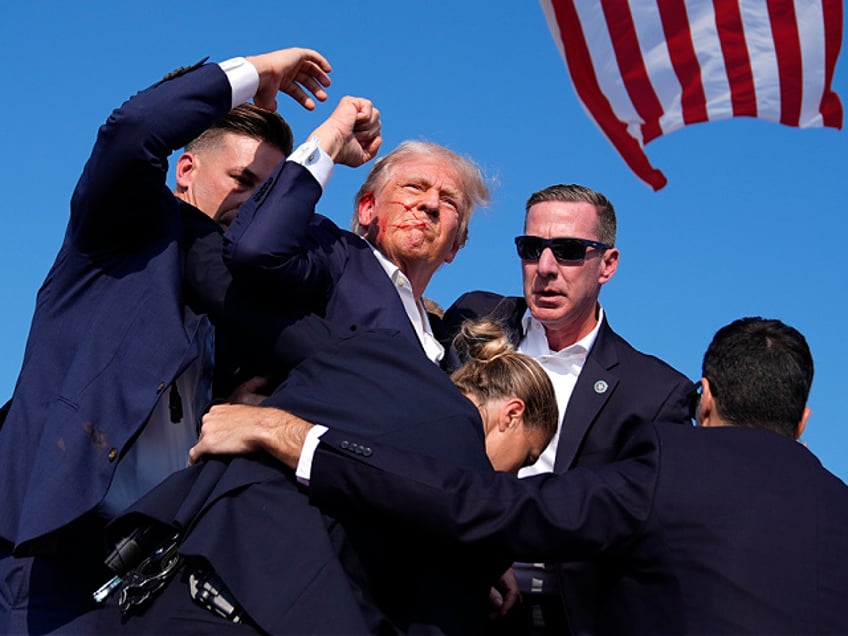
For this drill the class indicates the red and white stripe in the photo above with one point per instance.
(643, 68)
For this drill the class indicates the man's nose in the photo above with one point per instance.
(429, 201)
(547, 263)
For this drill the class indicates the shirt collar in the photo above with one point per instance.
(535, 342)
(415, 309)
(392, 270)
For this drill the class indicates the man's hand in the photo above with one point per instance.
(250, 391)
(503, 594)
(240, 429)
(291, 71)
(351, 135)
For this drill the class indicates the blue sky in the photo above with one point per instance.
(751, 222)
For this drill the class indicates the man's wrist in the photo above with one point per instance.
(311, 156)
(307, 452)
(243, 78)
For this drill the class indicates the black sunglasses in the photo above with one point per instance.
(565, 250)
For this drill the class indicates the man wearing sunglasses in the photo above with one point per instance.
(604, 386)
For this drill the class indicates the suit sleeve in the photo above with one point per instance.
(277, 240)
(675, 408)
(551, 517)
(119, 197)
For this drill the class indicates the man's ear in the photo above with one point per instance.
(609, 263)
(452, 254)
(707, 414)
(184, 170)
(365, 209)
(802, 425)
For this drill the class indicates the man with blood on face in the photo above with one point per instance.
(415, 214)
(410, 216)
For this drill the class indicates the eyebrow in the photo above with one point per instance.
(452, 192)
(247, 172)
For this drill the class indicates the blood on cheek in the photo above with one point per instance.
(420, 219)
(405, 206)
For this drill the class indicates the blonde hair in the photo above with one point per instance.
(494, 369)
(475, 193)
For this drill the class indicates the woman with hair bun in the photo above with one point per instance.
(512, 392)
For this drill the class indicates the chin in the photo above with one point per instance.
(547, 310)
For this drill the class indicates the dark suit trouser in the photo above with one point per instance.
(176, 614)
(51, 594)
(535, 615)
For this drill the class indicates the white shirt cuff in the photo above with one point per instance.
(243, 78)
(313, 158)
(310, 444)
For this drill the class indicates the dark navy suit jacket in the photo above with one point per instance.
(703, 531)
(111, 329)
(283, 561)
(316, 265)
(636, 389)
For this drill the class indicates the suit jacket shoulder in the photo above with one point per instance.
(123, 184)
(618, 389)
(750, 526)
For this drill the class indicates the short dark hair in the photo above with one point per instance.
(760, 372)
(252, 121)
(573, 193)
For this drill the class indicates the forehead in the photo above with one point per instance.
(550, 219)
(232, 142)
(240, 148)
(237, 151)
(433, 171)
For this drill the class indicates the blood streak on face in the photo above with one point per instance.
(414, 217)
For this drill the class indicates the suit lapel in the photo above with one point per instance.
(595, 385)
(375, 288)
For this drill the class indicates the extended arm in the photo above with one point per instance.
(124, 179)
(269, 243)
(551, 517)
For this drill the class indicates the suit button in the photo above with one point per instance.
(345, 444)
(113, 454)
(366, 452)
(161, 387)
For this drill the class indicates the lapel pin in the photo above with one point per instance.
(601, 387)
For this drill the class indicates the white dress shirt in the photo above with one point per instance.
(563, 368)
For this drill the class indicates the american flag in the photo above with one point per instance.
(643, 68)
